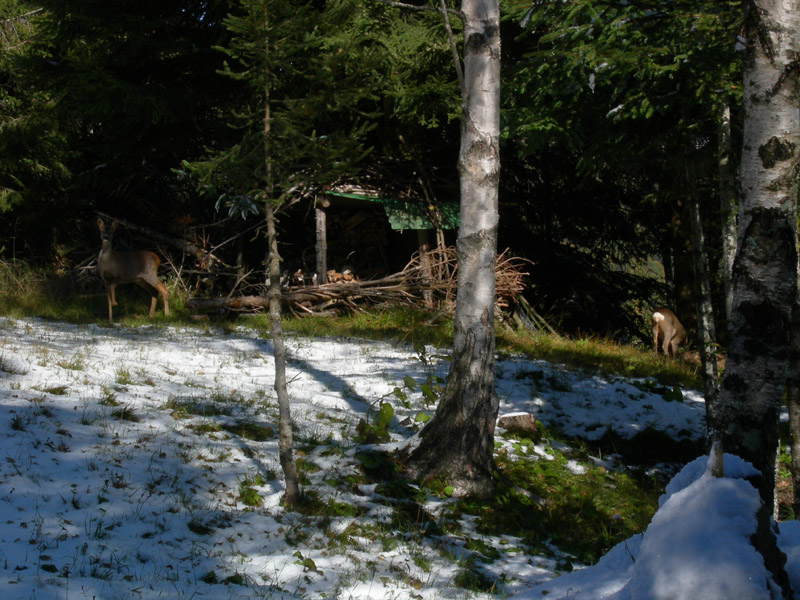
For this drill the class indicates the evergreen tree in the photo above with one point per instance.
(136, 89)
(316, 65)
(602, 102)
(299, 127)
(33, 153)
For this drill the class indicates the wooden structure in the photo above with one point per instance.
(401, 215)
(436, 274)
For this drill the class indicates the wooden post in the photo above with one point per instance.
(425, 263)
(322, 241)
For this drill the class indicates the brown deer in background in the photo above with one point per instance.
(666, 326)
(140, 267)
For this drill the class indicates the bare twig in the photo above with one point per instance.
(453, 49)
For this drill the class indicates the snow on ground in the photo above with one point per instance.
(126, 454)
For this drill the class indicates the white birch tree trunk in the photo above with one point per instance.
(764, 275)
(728, 200)
(458, 443)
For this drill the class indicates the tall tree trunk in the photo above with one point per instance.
(793, 401)
(728, 200)
(765, 270)
(706, 331)
(292, 493)
(458, 443)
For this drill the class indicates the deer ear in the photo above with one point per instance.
(114, 225)
(100, 223)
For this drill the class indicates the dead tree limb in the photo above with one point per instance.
(435, 274)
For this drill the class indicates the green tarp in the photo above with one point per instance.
(408, 215)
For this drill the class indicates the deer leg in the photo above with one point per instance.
(162, 291)
(665, 344)
(156, 289)
(110, 299)
(673, 345)
(148, 287)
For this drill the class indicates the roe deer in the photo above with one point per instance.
(667, 326)
(139, 267)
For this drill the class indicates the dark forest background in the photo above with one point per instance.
(152, 112)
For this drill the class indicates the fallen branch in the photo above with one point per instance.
(435, 276)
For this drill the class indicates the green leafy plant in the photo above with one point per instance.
(377, 431)
(248, 495)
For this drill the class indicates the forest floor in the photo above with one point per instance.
(142, 463)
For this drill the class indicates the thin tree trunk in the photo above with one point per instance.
(728, 199)
(288, 465)
(424, 259)
(458, 443)
(706, 333)
(292, 494)
(321, 232)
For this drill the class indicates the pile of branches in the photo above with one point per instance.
(429, 279)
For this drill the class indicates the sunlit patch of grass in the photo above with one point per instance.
(206, 428)
(109, 399)
(250, 431)
(123, 376)
(76, 362)
(55, 390)
(404, 324)
(544, 500)
(593, 353)
(183, 407)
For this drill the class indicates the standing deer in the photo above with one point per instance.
(140, 267)
(667, 326)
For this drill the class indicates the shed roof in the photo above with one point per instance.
(407, 215)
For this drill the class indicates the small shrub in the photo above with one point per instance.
(471, 578)
(17, 423)
(74, 363)
(248, 495)
(250, 431)
(123, 376)
(210, 578)
(377, 431)
(125, 413)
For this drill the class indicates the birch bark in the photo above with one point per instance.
(458, 443)
(764, 278)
